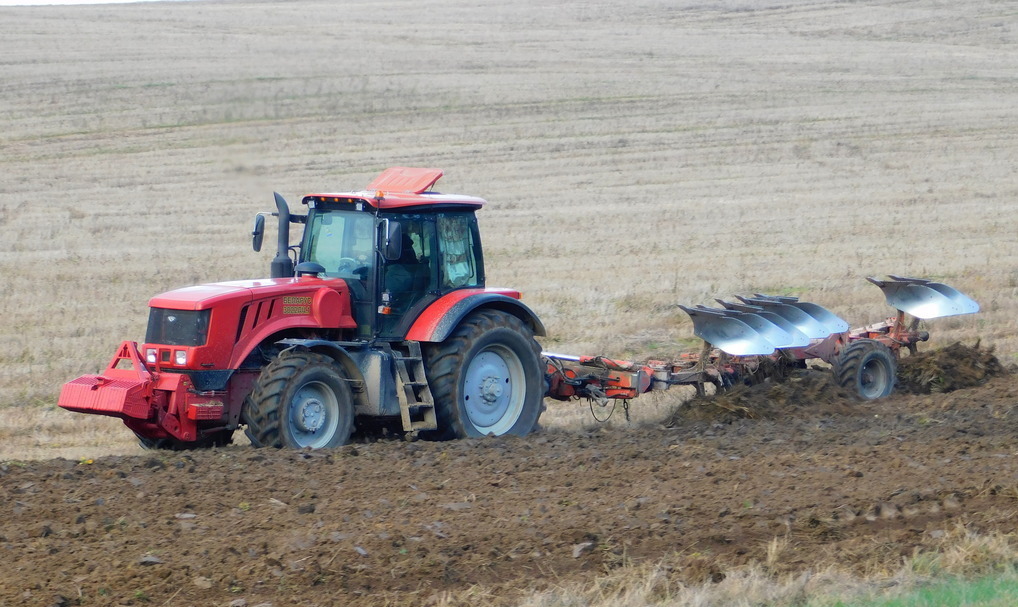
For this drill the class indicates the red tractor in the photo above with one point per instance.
(379, 313)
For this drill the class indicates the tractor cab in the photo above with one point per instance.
(398, 245)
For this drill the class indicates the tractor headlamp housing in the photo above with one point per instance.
(177, 328)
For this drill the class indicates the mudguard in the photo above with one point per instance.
(346, 356)
(444, 315)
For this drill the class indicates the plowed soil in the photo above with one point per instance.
(856, 484)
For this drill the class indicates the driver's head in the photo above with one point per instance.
(408, 254)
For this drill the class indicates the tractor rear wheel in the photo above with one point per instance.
(486, 378)
(301, 399)
(867, 367)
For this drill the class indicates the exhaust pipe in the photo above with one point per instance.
(282, 266)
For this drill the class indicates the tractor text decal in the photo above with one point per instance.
(296, 305)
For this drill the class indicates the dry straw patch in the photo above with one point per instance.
(635, 156)
(961, 554)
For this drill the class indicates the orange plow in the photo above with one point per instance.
(741, 338)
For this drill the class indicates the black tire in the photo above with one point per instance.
(301, 399)
(866, 367)
(219, 439)
(486, 378)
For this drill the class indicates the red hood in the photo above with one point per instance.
(203, 297)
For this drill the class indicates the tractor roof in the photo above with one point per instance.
(400, 187)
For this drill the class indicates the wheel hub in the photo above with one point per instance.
(494, 390)
(310, 416)
(491, 388)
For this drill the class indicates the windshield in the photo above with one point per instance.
(342, 241)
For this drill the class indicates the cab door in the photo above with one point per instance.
(409, 283)
(440, 253)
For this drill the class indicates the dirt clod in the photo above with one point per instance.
(935, 371)
(813, 388)
(952, 368)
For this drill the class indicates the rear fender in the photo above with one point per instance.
(439, 320)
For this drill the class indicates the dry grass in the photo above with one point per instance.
(962, 555)
(635, 155)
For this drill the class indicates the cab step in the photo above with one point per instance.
(416, 404)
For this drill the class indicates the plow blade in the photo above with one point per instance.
(812, 320)
(729, 331)
(923, 298)
(763, 323)
(795, 338)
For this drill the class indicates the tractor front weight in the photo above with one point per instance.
(152, 403)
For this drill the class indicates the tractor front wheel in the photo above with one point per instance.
(867, 367)
(486, 378)
(301, 399)
(219, 439)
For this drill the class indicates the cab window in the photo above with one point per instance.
(460, 266)
(342, 242)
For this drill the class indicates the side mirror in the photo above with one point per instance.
(258, 233)
(392, 244)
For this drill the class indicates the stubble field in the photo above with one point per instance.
(634, 155)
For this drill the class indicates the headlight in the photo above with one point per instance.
(150, 356)
(180, 357)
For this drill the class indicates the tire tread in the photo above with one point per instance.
(849, 364)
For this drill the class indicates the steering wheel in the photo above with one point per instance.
(347, 265)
